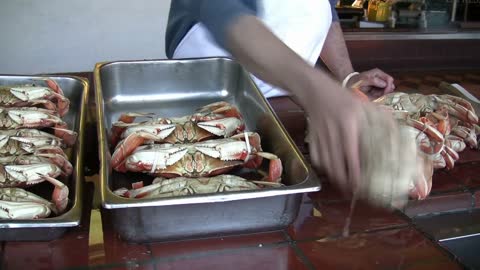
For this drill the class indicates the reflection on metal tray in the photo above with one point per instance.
(75, 89)
(174, 88)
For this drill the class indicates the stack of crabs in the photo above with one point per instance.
(192, 154)
(33, 137)
(442, 125)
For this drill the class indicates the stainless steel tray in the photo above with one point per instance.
(76, 89)
(175, 88)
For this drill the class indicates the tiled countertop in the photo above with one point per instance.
(379, 239)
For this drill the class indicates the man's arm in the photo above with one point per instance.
(335, 53)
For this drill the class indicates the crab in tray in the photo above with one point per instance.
(215, 120)
(28, 155)
(182, 186)
(50, 97)
(194, 153)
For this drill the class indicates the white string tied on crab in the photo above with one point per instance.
(155, 161)
(249, 149)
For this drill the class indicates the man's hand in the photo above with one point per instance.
(374, 83)
(358, 146)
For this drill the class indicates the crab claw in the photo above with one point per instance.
(60, 160)
(450, 157)
(421, 186)
(50, 150)
(275, 167)
(433, 133)
(59, 195)
(119, 126)
(47, 104)
(467, 134)
(223, 108)
(438, 119)
(455, 142)
(158, 130)
(224, 127)
(32, 117)
(126, 147)
(69, 137)
(63, 103)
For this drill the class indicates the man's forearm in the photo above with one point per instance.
(263, 54)
(335, 53)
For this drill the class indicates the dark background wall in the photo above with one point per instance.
(403, 55)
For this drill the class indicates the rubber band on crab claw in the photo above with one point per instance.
(249, 148)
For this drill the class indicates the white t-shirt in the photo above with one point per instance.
(302, 25)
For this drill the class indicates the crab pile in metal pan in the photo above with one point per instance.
(191, 154)
(33, 137)
(442, 125)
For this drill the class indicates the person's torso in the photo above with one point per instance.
(302, 25)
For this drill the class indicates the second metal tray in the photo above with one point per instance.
(175, 88)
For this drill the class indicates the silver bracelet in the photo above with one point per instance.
(349, 76)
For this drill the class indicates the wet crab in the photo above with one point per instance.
(182, 186)
(207, 158)
(215, 120)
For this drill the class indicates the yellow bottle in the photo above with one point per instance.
(383, 12)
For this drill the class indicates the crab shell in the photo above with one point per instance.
(28, 117)
(214, 120)
(208, 158)
(182, 186)
(26, 141)
(16, 203)
(61, 161)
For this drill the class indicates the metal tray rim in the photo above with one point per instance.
(72, 217)
(111, 201)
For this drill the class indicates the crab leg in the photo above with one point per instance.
(68, 136)
(275, 167)
(422, 185)
(60, 160)
(450, 157)
(59, 195)
(432, 132)
(63, 103)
